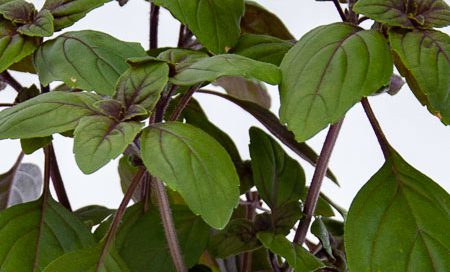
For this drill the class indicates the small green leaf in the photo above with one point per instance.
(17, 11)
(319, 229)
(423, 58)
(87, 59)
(99, 139)
(182, 58)
(278, 178)
(35, 233)
(406, 13)
(318, 85)
(127, 171)
(280, 220)
(215, 23)
(238, 236)
(399, 219)
(258, 20)
(142, 85)
(212, 68)
(30, 145)
(86, 260)
(40, 26)
(31, 118)
(195, 165)
(262, 48)
(67, 12)
(297, 257)
(93, 215)
(142, 244)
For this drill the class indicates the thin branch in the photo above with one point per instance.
(181, 36)
(169, 226)
(382, 140)
(46, 189)
(339, 9)
(362, 19)
(57, 180)
(274, 262)
(314, 189)
(118, 216)
(163, 102)
(8, 79)
(154, 18)
(183, 102)
(7, 104)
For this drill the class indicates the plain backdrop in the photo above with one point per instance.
(417, 135)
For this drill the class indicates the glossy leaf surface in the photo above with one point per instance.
(398, 206)
(87, 60)
(196, 166)
(318, 88)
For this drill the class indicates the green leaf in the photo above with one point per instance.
(67, 12)
(142, 85)
(182, 58)
(87, 59)
(297, 257)
(238, 236)
(93, 215)
(17, 11)
(212, 68)
(86, 260)
(40, 26)
(99, 139)
(319, 229)
(406, 13)
(423, 58)
(278, 178)
(318, 85)
(262, 48)
(35, 233)
(13, 46)
(127, 171)
(215, 23)
(31, 118)
(258, 20)
(195, 165)
(280, 220)
(245, 89)
(142, 244)
(398, 206)
(30, 145)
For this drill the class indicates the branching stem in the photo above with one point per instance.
(339, 9)
(183, 102)
(8, 79)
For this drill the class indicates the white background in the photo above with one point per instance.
(417, 135)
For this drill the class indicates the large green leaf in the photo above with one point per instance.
(398, 220)
(99, 139)
(258, 20)
(35, 233)
(423, 57)
(13, 46)
(297, 257)
(210, 69)
(46, 114)
(87, 59)
(67, 12)
(406, 13)
(142, 244)
(278, 178)
(195, 165)
(86, 260)
(142, 84)
(215, 23)
(329, 70)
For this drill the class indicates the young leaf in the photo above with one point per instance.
(215, 22)
(86, 260)
(142, 84)
(99, 139)
(87, 59)
(40, 26)
(278, 178)
(93, 215)
(67, 12)
(22, 183)
(399, 219)
(13, 46)
(297, 257)
(318, 87)
(210, 69)
(319, 229)
(182, 58)
(195, 165)
(31, 118)
(423, 58)
(258, 20)
(17, 11)
(142, 244)
(262, 48)
(245, 90)
(405, 13)
(35, 233)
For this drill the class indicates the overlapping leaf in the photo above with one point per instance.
(423, 57)
(319, 84)
(195, 165)
(399, 219)
(214, 22)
